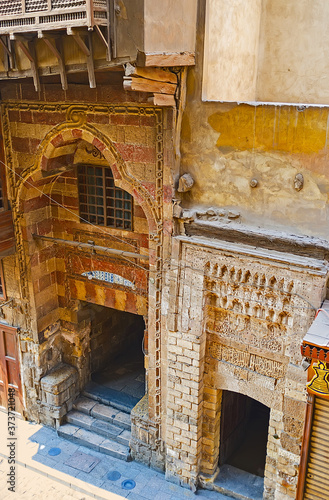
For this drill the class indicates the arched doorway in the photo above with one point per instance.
(244, 432)
(242, 446)
(117, 354)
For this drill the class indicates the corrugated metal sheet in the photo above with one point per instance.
(317, 472)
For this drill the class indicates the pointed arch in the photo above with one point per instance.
(56, 151)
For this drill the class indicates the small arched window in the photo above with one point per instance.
(100, 201)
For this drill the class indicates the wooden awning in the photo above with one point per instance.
(315, 343)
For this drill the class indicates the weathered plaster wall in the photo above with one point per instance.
(267, 51)
(169, 26)
(225, 146)
(294, 52)
(231, 50)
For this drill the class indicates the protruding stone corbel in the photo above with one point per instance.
(299, 182)
(185, 183)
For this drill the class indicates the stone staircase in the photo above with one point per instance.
(100, 420)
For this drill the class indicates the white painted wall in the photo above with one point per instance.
(231, 48)
(170, 26)
(267, 51)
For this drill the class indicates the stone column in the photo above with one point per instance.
(186, 351)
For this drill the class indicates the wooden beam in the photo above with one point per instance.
(34, 66)
(31, 55)
(162, 100)
(157, 74)
(5, 46)
(57, 51)
(175, 59)
(61, 63)
(145, 85)
(6, 55)
(90, 13)
(12, 57)
(113, 30)
(88, 51)
(90, 64)
(25, 50)
(77, 38)
(100, 65)
(104, 41)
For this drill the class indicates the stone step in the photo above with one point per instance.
(110, 397)
(90, 439)
(101, 427)
(237, 483)
(107, 413)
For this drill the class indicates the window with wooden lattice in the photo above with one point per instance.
(100, 201)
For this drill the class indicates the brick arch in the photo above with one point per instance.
(56, 153)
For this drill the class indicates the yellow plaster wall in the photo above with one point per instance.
(224, 146)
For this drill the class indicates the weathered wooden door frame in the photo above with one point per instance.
(4, 360)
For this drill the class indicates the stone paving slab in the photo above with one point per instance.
(82, 461)
(34, 442)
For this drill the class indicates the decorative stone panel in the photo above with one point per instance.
(237, 325)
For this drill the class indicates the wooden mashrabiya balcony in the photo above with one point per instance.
(39, 15)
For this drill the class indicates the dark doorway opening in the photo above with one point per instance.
(116, 353)
(114, 381)
(244, 433)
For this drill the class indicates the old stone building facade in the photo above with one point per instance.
(142, 206)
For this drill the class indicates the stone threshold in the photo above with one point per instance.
(234, 483)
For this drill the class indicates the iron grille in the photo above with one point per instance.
(100, 201)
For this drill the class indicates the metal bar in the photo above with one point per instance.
(91, 247)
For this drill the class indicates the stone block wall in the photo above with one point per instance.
(238, 323)
(59, 389)
(46, 136)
